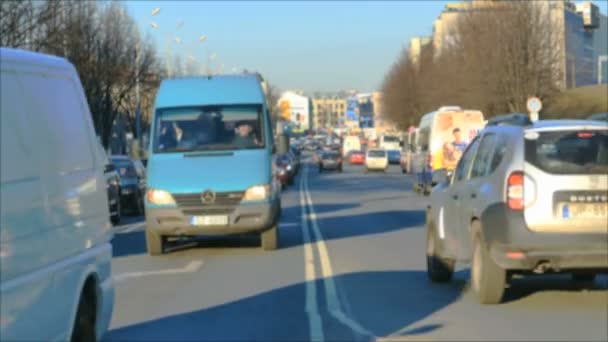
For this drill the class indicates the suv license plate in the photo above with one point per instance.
(585, 210)
(217, 220)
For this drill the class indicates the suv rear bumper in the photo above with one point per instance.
(246, 218)
(515, 247)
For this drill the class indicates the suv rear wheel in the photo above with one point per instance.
(487, 279)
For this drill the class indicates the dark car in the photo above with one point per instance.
(281, 172)
(394, 156)
(113, 188)
(132, 184)
(286, 162)
(330, 160)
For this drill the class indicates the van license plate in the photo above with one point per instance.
(217, 220)
(585, 210)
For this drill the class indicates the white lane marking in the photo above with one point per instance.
(441, 227)
(289, 224)
(192, 267)
(312, 309)
(333, 302)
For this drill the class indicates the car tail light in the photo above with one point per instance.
(515, 190)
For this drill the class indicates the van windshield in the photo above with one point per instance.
(217, 128)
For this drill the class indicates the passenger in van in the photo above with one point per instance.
(200, 132)
(244, 137)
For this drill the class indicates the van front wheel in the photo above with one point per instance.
(154, 243)
(84, 326)
(270, 238)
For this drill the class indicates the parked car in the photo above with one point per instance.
(356, 157)
(113, 187)
(523, 199)
(56, 255)
(132, 184)
(330, 160)
(394, 156)
(376, 159)
(222, 183)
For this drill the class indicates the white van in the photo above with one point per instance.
(351, 143)
(55, 251)
(437, 147)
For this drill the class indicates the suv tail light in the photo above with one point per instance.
(515, 190)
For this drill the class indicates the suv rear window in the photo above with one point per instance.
(379, 154)
(569, 152)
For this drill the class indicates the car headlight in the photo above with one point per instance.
(257, 193)
(160, 197)
(288, 167)
(113, 182)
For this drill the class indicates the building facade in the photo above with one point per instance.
(416, 46)
(328, 113)
(579, 33)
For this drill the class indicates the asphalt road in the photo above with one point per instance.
(351, 267)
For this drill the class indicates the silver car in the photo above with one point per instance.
(523, 199)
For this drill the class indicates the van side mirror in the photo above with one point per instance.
(109, 168)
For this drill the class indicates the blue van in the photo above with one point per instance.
(210, 161)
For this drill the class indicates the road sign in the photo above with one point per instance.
(534, 105)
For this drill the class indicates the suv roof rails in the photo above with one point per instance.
(513, 119)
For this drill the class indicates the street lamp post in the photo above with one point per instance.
(137, 86)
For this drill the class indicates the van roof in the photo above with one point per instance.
(33, 58)
(209, 90)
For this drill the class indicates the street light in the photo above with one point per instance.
(137, 86)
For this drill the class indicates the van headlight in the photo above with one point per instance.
(160, 197)
(257, 193)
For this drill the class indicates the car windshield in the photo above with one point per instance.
(377, 153)
(188, 129)
(391, 139)
(125, 168)
(569, 152)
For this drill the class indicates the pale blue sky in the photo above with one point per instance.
(307, 45)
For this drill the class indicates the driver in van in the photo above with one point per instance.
(244, 137)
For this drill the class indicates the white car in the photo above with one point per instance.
(55, 231)
(376, 159)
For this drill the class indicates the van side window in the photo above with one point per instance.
(17, 159)
(484, 156)
(58, 107)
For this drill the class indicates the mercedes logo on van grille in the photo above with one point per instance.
(208, 197)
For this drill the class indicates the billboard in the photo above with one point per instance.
(366, 110)
(352, 112)
(295, 108)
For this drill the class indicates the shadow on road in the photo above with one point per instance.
(382, 302)
(520, 288)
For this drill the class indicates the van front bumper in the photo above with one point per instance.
(245, 218)
(513, 246)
